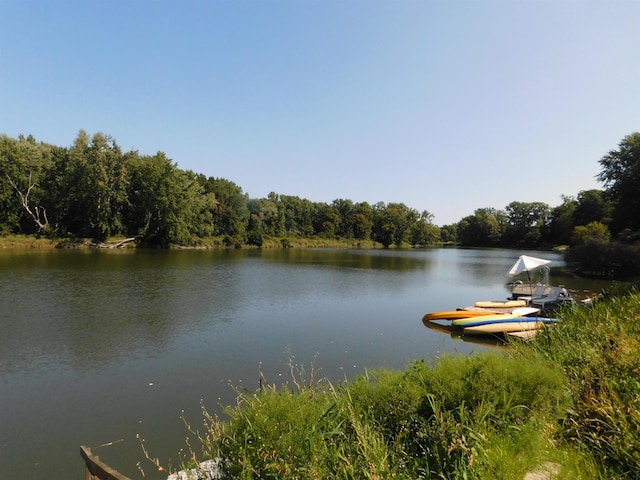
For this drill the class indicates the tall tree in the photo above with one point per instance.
(620, 175)
(362, 221)
(392, 223)
(231, 213)
(24, 168)
(345, 211)
(423, 231)
(267, 215)
(592, 206)
(482, 229)
(562, 221)
(327, 221)
(299, 215)
(95, 181)
(526, 222)
(168, 205)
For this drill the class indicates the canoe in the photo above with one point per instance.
(465, 314)
(452, 315)
(499, 319)
(506, 304)
(520, 310)
(505, 327)
(496, 317)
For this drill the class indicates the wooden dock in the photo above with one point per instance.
(520, 289)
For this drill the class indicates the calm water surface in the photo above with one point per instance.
(100, 346)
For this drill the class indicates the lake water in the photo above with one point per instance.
(98, 347)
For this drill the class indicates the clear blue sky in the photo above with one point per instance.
(446, 106)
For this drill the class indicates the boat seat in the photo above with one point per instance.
(553, 295)
(541, 291)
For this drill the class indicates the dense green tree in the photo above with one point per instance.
(449, 233)
(482, 229)
(10, 208)
(231, 212)
(620, 175)
(392, 223)
(423, 231)
(266, 215)
(526, 221)
(345, 211)
(255, 224)
(24, 166)
(361, 221)
(168, 205)
(327, 221)
(592, 206)
(92, 189)
(594, 232)
(95, 182)
(299, 215)
(562, 222)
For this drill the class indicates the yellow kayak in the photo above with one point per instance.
(454, 314)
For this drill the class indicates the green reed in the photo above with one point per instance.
(598, 349)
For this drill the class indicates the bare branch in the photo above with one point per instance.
(40, 214)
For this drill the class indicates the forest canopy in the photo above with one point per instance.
(93, 189)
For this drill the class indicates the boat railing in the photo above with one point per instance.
(95, 469)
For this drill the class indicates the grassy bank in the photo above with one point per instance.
(26, 242)
(32, 242)
(568, 402)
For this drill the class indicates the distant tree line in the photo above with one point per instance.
(93, 189)
(602, 227)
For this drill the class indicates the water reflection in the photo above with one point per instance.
(93, 310)
(103, 345)
(388, 260)
(490, 341)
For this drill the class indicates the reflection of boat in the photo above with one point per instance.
(456, 334)
(491, 325)
(437, 326)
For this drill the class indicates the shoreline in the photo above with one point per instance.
(26, 242)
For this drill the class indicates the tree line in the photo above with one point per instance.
(93, 189)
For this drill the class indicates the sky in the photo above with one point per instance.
(445, 106)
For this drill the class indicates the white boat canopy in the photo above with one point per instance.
(526, 263)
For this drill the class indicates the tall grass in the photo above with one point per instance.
(599, 351)
(485, 416)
